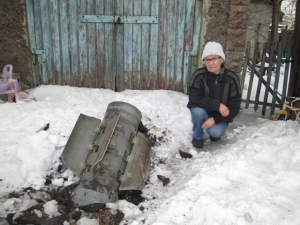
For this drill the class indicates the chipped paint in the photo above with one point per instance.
(118, 44)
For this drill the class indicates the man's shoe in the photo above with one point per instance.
(197, 143)
(214, 139)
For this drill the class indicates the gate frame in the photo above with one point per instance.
(47, 61)
(275, 54)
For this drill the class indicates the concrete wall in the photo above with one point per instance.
(13, 40)
(260, 18)
(214, 24)
(226, 22)
(237, 29)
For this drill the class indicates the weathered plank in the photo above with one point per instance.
(196, 29)
(189, 22)
(119, 39)
(38, 42)
(162, 43)
(128, 46)
(172, 33)
(74, 45)
(271, 61)
(100, 46)
(47, 74)
(260, 78)
(144, 50)
(137, 46)
(110, 72)
(286, 71)
(188, 44)
(270, 90)
(245, 65)
(153, 53)
(277, 75)
(82, 46)
(145, 78)
(91, 37)
(31, 30)
(56, 63)
(252, 75)
(65, 56)
(179, 43)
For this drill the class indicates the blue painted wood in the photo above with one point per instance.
(119, 18)
(189, 21)
(110, 73)
(256, 48)
(74, 46)
(153, 52)
(56, 67)
(277, 74)
(98, 19)
(91, 36)
(82, 46)
(140, 19)
(286, 71)
(261, 74)
(145, 78)
(267, 90)
(38, 41)
(162, 43)
(179, 42)
(171, 33)
(144, 50)
(100, 46)
(31, 31)
(189, 50)
(128, 46)
(196, 33)
(137, 46)
(119, 52)
(45, 20)
(64, 29)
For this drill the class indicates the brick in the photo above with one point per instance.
(240, 2)
(236, 40)
(238, 18)
(234, 61)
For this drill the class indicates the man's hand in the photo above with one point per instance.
(223, 110)
(208, 123)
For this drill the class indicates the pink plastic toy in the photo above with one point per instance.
(10, 86)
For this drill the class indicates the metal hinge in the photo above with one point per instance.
(119, 19)
(40, 56)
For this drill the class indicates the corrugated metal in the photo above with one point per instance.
(114, 44)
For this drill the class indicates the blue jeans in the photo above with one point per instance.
(199, 116)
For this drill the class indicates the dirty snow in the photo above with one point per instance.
(251, 176)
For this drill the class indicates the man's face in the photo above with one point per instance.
(213, 63)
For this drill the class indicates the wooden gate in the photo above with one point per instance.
(114, 44)
(271, 70)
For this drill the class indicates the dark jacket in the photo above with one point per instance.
(207, 91)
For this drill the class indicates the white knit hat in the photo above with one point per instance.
(213, 48)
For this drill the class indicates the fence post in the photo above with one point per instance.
(277, 74)
(261, 74)
(245, 66)
(252, 75)
(286, 71)
(272, 49)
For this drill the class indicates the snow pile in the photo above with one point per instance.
(251, 176)
(50, 208)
